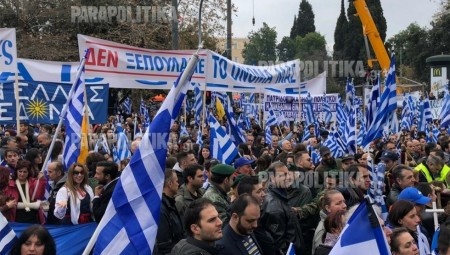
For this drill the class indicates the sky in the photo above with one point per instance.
(280, 14)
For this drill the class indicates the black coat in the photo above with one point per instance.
(100, 203)
(170, 228)
(280, 222)
(233, 242)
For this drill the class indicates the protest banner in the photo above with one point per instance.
(289, 106)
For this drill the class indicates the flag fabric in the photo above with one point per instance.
(291, 249)
(235, 133)
(144, 112)
(422, 243)
(268, 137)
(84, 148)
(272, 118)
(72, 121)
(308, 111)
(359, 236)
(199, 138)
(219, 109)
(377, 185)
(425, 115)
(115, 155)
(334, 147)
(388, 105)
(130, 223)
(198, 105)
(349, 96)
(445, 112)
(373, 103)
(221, 145)
(123, 148)
(104, 143)
(341, 117)
(127, 105)
(326, 110)
(406, 115)
(7, 236)
(350, 131)
(183, 130)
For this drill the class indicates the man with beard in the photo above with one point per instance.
(328, 163)
(107, 174)
(203, 227)
(191, 189)
(238, 236)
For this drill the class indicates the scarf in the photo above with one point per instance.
(26, 197)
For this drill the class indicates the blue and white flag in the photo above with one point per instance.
(341, 117)
(374, 101)
(333, 145)
(308, 111)
(425, 115)
(199, 138)
(183, 130)
(359, 236)
(7, 236)
(144, 112)
(198, 105)
(268, 136)
(130, 223)
(123, 148)
(127, 105)
(236, 134)
(406, 115)
(388, 105)
(73, 119)
(326, 110)
(349, 96)
(291, 249)
(377, 185)
(350, 130)
(445, 112)
(221, 145)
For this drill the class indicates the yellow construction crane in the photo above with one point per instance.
(371, 32)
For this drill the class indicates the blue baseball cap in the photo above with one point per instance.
(414, 195)
(242, 162)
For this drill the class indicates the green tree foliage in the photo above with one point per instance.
(412, 47)
(261, 46)
(439, 33)
(304, 23)
(286, 49)
(311, 47)
(354, 46)
(340, 33)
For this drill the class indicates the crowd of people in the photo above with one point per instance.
(272, 197)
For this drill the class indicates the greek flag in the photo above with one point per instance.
(326, 110)
(308, 111)
(123, 148)
(406, 115)
(334, 147)
(104, 143)
(362, 234)
(425, 115)
(445, 112)
(341, 117)
(144, 112)
(373, 103)
(198, 105)
(130, 223)
(350, 131)
(199, 138)
(73, 118)
(268, 134)
(291, 249)
(127, 105)
(272, 118)
(221, 145)
(388, 105)
(7, 236)
(349, 96)
(183, 130)
(235, 133)
(377, 185)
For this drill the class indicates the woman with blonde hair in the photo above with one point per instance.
(74, 200)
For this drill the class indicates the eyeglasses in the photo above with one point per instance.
(78, 173)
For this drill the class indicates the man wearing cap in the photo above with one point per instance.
(347, 161)
(328, 162)
(243, 166)
(390, 159)
(221, 181)
(403, 178)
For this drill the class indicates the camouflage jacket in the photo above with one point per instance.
(220, 200)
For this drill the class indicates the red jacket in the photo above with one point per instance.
(12, 191)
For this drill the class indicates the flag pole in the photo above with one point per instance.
(184, 76)
(16, 92)
(63, 114)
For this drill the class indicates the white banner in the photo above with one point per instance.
(289, 105)
(439, 80)
(8, 53)
(124, 66)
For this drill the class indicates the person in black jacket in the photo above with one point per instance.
(107, 174)
(238, 236)
(277, 217)
(56, 174)
(170, 228)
